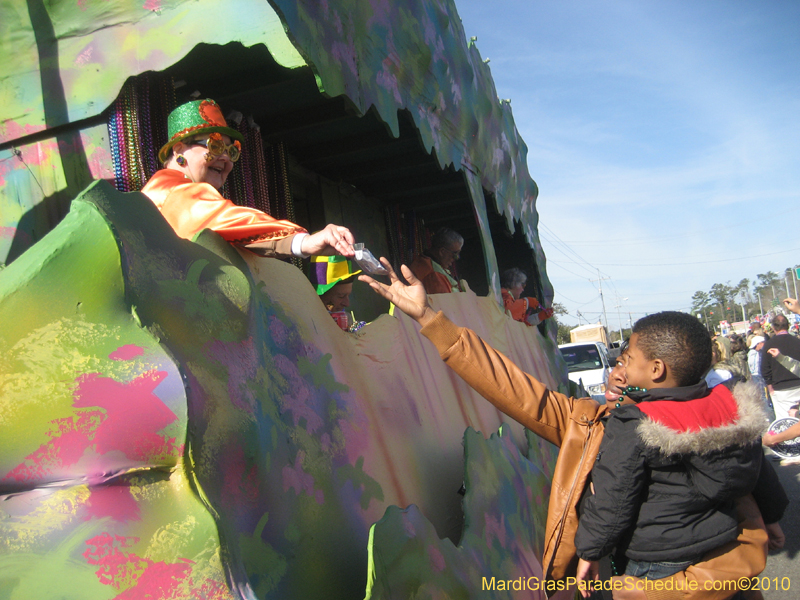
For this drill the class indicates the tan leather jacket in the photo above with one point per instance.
(572, 425)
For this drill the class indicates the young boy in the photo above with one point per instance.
(670, 466)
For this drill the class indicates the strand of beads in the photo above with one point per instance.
(123, 147)
(147, 150)
(261, 187)
(633, 388)
(113, 142)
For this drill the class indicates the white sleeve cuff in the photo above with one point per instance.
(297, 243)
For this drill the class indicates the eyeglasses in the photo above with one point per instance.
(456, 255)
(216, 147)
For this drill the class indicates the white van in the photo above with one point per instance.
(588, 363)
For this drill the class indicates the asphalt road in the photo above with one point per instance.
(783, 566)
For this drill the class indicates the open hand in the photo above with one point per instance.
(334, 239)
(412, 299)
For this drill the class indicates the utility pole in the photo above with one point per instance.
(602, 300)
(619, 316)
(760, 306)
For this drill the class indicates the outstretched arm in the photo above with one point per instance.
(784, 436)
(516, 393)
(787, 362)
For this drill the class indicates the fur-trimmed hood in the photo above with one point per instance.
(717, 421)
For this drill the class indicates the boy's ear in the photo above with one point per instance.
(658, 370)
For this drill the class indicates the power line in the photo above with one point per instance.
(652, 240)
(702, 262)
(583, 260)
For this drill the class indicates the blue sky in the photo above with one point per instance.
(664, 138)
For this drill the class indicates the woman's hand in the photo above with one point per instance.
(334, 239)
(412, 299)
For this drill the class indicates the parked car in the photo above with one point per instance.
(589, 365)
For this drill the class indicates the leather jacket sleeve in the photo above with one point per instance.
(516, 393)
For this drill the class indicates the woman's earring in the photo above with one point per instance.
(181, 160)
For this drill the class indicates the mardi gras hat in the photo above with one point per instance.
(194, 118)
(326, 271)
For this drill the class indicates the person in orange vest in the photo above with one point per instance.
(434, 266)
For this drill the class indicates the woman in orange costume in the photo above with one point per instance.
(197, 160)
(520, 308)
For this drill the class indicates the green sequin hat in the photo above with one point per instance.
(195, 118)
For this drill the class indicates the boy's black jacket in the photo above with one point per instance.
(668, 472)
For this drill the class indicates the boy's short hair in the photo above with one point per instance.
(678, 339)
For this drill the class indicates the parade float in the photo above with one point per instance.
(183, 419)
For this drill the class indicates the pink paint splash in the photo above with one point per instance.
(138, 577)
(133, 413)
(126, 352)
(11, 130)
(128, 423)
(300, 481)
(70, 437)
(112, 501)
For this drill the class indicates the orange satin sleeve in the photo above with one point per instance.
(518, 309)
(191, 207)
